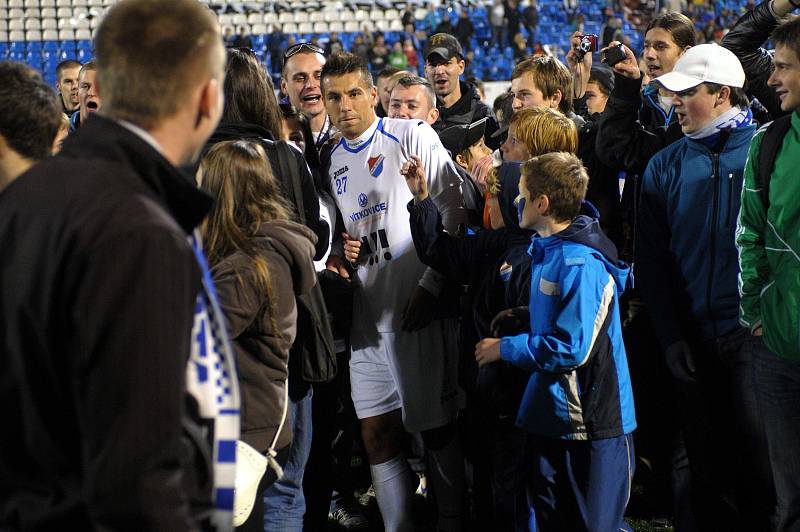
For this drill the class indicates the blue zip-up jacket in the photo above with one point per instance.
(579, 388)
(686, 260)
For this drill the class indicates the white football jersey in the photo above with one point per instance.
(372, 196)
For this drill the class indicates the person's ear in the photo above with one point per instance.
(373, 94)
(433, 114)
(543, 204)
(461, 66)
(723, 95)
(283, 88)
(461, 161)
(555, 99)
(208, 101)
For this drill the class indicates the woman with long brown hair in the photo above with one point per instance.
(260, 260)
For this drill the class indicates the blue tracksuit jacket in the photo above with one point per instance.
(579, 388)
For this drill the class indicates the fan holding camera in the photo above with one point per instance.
(593, 83)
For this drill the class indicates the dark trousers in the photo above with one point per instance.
(663, 469)
(581, 485)
(509, 471)
(335, 427)
(723, 434)
(777, 384)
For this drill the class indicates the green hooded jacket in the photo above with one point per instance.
(769, 247)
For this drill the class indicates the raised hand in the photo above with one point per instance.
(580, 64)
(628, 67)
(480, 170)
(413, 172)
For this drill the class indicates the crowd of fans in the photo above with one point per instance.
(219, 295)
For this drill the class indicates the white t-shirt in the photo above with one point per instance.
(372, 196)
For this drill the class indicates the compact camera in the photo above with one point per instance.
(614, 55)
(589, 43)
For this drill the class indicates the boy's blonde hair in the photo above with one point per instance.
(544, 130)
(562, 178)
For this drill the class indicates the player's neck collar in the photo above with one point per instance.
(364, 139)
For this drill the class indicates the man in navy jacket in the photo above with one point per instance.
(686, 264)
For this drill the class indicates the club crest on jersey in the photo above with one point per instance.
(375, 165)
(362, 200)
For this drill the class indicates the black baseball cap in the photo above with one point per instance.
(604, 76)
(443, 45)
(458, 138)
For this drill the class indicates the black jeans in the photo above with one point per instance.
(778, 392)
(731, 485)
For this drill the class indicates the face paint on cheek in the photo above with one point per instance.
(520, 209)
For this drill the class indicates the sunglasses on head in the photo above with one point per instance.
(299, 47)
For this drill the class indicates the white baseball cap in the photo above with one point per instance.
(704, 63)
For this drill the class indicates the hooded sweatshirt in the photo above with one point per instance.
(579, 388)
(263, 324)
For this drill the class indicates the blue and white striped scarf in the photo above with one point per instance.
(212, 380)
(734, 117)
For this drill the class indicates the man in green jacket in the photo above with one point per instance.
(768, 238)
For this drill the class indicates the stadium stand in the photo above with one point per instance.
(43, 32)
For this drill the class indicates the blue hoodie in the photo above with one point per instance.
(579, 388)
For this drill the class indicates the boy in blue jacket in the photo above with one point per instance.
(578, 404)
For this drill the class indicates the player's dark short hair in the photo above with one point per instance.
(342, 63)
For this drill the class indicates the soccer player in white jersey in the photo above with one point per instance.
(403, 365)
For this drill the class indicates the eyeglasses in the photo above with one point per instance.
(299, 47)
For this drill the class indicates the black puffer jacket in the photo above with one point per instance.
(468, 109)
(745, 40)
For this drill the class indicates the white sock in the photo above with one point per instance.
(394, 485)
(446, 474)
